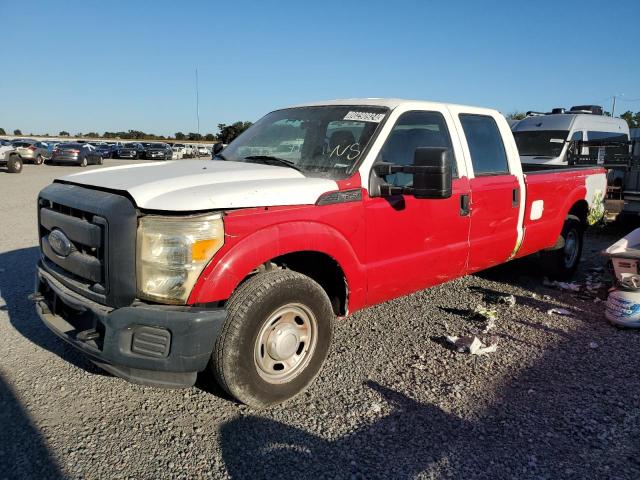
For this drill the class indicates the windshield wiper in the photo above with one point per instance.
(269, 160)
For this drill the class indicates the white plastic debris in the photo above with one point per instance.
(625, 256)
(560, 311)
(490, 325)
(473, 345)
(569, 286)
(509, 300)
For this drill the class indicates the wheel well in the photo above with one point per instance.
(324, 270)
(580, 209)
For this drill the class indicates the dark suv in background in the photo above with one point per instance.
(131, 150)
(158, 151)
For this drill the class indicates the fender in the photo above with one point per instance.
(230, 266)
(544, 233)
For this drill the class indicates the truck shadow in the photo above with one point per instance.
(23, 453)
(565, 416)
(17, 280)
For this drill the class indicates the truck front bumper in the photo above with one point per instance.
(164, 346)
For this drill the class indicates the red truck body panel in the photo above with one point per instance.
(494, 221)
(559, 190)
(388, 247)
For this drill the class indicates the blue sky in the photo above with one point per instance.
(94, 66)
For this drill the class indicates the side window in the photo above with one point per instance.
(612, 151)
(413, 130)
(485, 145)
(577, 136)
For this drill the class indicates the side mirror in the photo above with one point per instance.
(433, 175)
(217, 148)
(432, 172)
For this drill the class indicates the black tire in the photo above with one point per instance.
(14, 164)
(234, 360)
(39, 160)
(83, 162)
(99, 161)
(562, 263)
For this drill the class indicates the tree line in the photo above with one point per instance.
(226, 133)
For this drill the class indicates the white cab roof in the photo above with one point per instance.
(379, 102)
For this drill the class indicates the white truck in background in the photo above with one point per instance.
(583, 135)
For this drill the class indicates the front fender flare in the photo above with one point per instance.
(227, 269)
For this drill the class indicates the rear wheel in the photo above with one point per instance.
(14, 164)
(99, 161)
(275, 339)
(563, 262)
(39, 160)
(83, 162)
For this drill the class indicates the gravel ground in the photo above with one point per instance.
(559, 399)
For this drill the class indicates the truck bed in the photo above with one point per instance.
(554, 189)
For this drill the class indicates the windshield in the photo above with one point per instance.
(541, 143)
(324, 141)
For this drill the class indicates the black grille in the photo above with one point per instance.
(86, 231)
(101, 228)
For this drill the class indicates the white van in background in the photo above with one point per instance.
(543, 138)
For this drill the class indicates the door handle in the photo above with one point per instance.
(464, 205)
(515, 197)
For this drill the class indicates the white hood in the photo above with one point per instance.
(189, 185)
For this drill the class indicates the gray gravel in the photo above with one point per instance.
(559, 399)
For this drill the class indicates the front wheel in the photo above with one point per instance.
(563, 262)
(275, 339)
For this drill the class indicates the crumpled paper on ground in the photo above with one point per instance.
(472, 344)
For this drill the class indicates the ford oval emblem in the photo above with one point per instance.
(60, 244)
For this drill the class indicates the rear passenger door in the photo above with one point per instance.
(495, 193)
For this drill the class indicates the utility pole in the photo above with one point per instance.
(198, 102)
(613, 108)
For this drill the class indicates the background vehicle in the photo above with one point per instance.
(32, 150)
(81, 154)
(9, 157)
(107, 150)
(242, 266)
(583, 135)
(178, 151)
(189, 151)
(203, 151)
(544, 138)
(158, 151)
(131, 150)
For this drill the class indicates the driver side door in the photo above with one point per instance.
(412, 244)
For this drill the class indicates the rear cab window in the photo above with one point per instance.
(488, 155)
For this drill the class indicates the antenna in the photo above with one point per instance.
(197, 102)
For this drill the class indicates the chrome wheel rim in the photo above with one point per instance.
(570, 248)
(285, 343)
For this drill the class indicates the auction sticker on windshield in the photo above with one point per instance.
(364, 116)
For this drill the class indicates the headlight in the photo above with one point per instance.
(171, 253)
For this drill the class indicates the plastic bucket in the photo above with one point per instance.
(623, 307)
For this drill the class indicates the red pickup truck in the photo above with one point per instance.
(241, 264)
